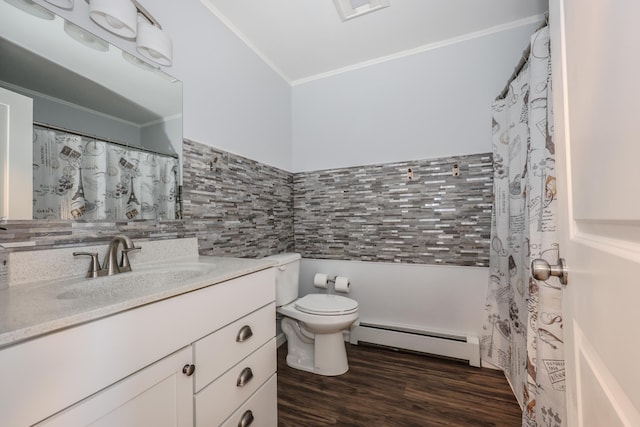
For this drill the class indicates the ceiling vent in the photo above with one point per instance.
(349, 9)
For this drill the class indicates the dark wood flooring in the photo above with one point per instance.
(385, 387)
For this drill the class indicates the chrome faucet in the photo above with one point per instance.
(110, 263)
(110, 266)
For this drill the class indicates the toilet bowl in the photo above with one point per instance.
(313, 324)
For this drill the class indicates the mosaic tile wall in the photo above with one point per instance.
(374, 213)
(233, 205)
(245, 207)
(240, 207)
(47, 234)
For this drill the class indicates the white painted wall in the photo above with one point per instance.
(232, 99)
(431, 104)
(437, 298)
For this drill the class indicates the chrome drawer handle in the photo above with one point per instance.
(244, 333)
(246, 420)
(245, 377)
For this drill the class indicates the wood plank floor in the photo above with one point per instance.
(385, 387)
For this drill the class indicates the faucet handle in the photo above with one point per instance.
(124, 259)
(94, 266)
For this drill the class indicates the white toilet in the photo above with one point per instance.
(312, 324)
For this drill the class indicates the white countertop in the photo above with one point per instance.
(33, 309)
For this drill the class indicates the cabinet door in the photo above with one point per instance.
(159, 395)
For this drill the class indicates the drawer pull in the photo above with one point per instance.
(244, 333)
(244, 377)
(246, 420)
(188, 369)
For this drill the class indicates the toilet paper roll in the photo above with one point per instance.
(320, 280)
(343, 284)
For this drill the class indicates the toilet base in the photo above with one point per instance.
(324, 355)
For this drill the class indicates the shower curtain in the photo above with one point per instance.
(523, 324)
(76, 177)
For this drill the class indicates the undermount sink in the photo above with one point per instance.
(141, 280)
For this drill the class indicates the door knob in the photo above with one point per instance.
(541, 270)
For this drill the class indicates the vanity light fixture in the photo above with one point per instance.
(153, 43)
(116, 16)
(85, 37)
(64, 4)
(128, 19)
(32, 9)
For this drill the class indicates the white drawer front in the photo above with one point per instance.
(261, 410)
(222, 397)
(219, 351)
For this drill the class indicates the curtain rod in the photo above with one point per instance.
(523, 61)
(99, 138)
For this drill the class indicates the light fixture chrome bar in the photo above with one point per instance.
(144, 12)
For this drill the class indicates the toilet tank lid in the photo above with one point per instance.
(284, 258)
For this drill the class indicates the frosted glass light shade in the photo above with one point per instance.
(116, 16)
(86, 38)
(32, 8)
(155, 44)
(64, 4)
(137, 61)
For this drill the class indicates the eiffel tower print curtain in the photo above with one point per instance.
(75, 177)
(523, 328)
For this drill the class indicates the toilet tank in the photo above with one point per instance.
(287, 277)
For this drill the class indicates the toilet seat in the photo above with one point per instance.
(326, 305)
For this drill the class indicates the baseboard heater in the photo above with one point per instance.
(454, 346)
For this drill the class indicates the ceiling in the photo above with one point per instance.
(306, 39)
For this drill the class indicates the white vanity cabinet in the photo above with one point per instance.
(127, 369)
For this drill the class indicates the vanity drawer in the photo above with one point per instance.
(222, 397)
(219, 351)
(262, 408)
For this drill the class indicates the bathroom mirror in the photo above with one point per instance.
(83, 87)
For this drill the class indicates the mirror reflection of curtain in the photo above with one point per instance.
(523, 324)
(76, 177)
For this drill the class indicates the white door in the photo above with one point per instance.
(596, 78)
(16, 159)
